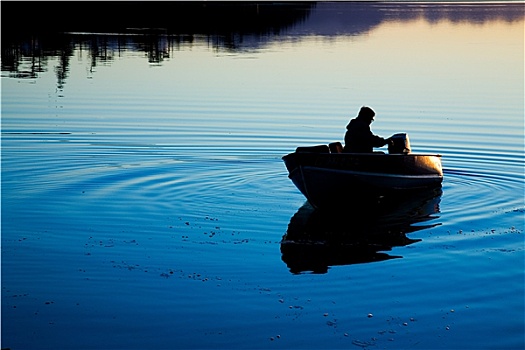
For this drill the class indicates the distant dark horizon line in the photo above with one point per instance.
(224, 17)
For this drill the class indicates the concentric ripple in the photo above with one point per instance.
(475, 188)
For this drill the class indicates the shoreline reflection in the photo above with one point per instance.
(159, 30)
(361, 233)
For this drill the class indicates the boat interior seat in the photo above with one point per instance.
(313, 149)
(336, 147)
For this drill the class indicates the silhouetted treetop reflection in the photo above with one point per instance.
(106, 29)
(156, 28)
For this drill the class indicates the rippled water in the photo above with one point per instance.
(146, 205)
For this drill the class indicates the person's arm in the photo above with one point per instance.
(377, 141)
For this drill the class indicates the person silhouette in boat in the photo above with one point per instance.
(359, 138)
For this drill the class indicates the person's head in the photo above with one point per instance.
(366, 114)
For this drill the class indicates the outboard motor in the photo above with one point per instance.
(400, 144)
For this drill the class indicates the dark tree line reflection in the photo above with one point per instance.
(155, 29)
(103, 31)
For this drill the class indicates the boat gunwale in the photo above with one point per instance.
(375, 154)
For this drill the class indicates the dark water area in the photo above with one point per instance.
(362, 232)
(145, 204)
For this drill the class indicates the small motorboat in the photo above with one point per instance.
(328, 177)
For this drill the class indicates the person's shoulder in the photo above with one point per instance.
(357, 122)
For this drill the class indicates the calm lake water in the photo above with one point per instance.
(145, 204)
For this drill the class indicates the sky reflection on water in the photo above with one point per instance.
(444, 78)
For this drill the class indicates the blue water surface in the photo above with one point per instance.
(145, 204)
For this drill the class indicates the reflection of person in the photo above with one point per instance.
(359, 138)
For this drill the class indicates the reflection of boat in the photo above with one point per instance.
(328, 177)
(317, 239)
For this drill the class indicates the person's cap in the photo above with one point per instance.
(367, 113)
